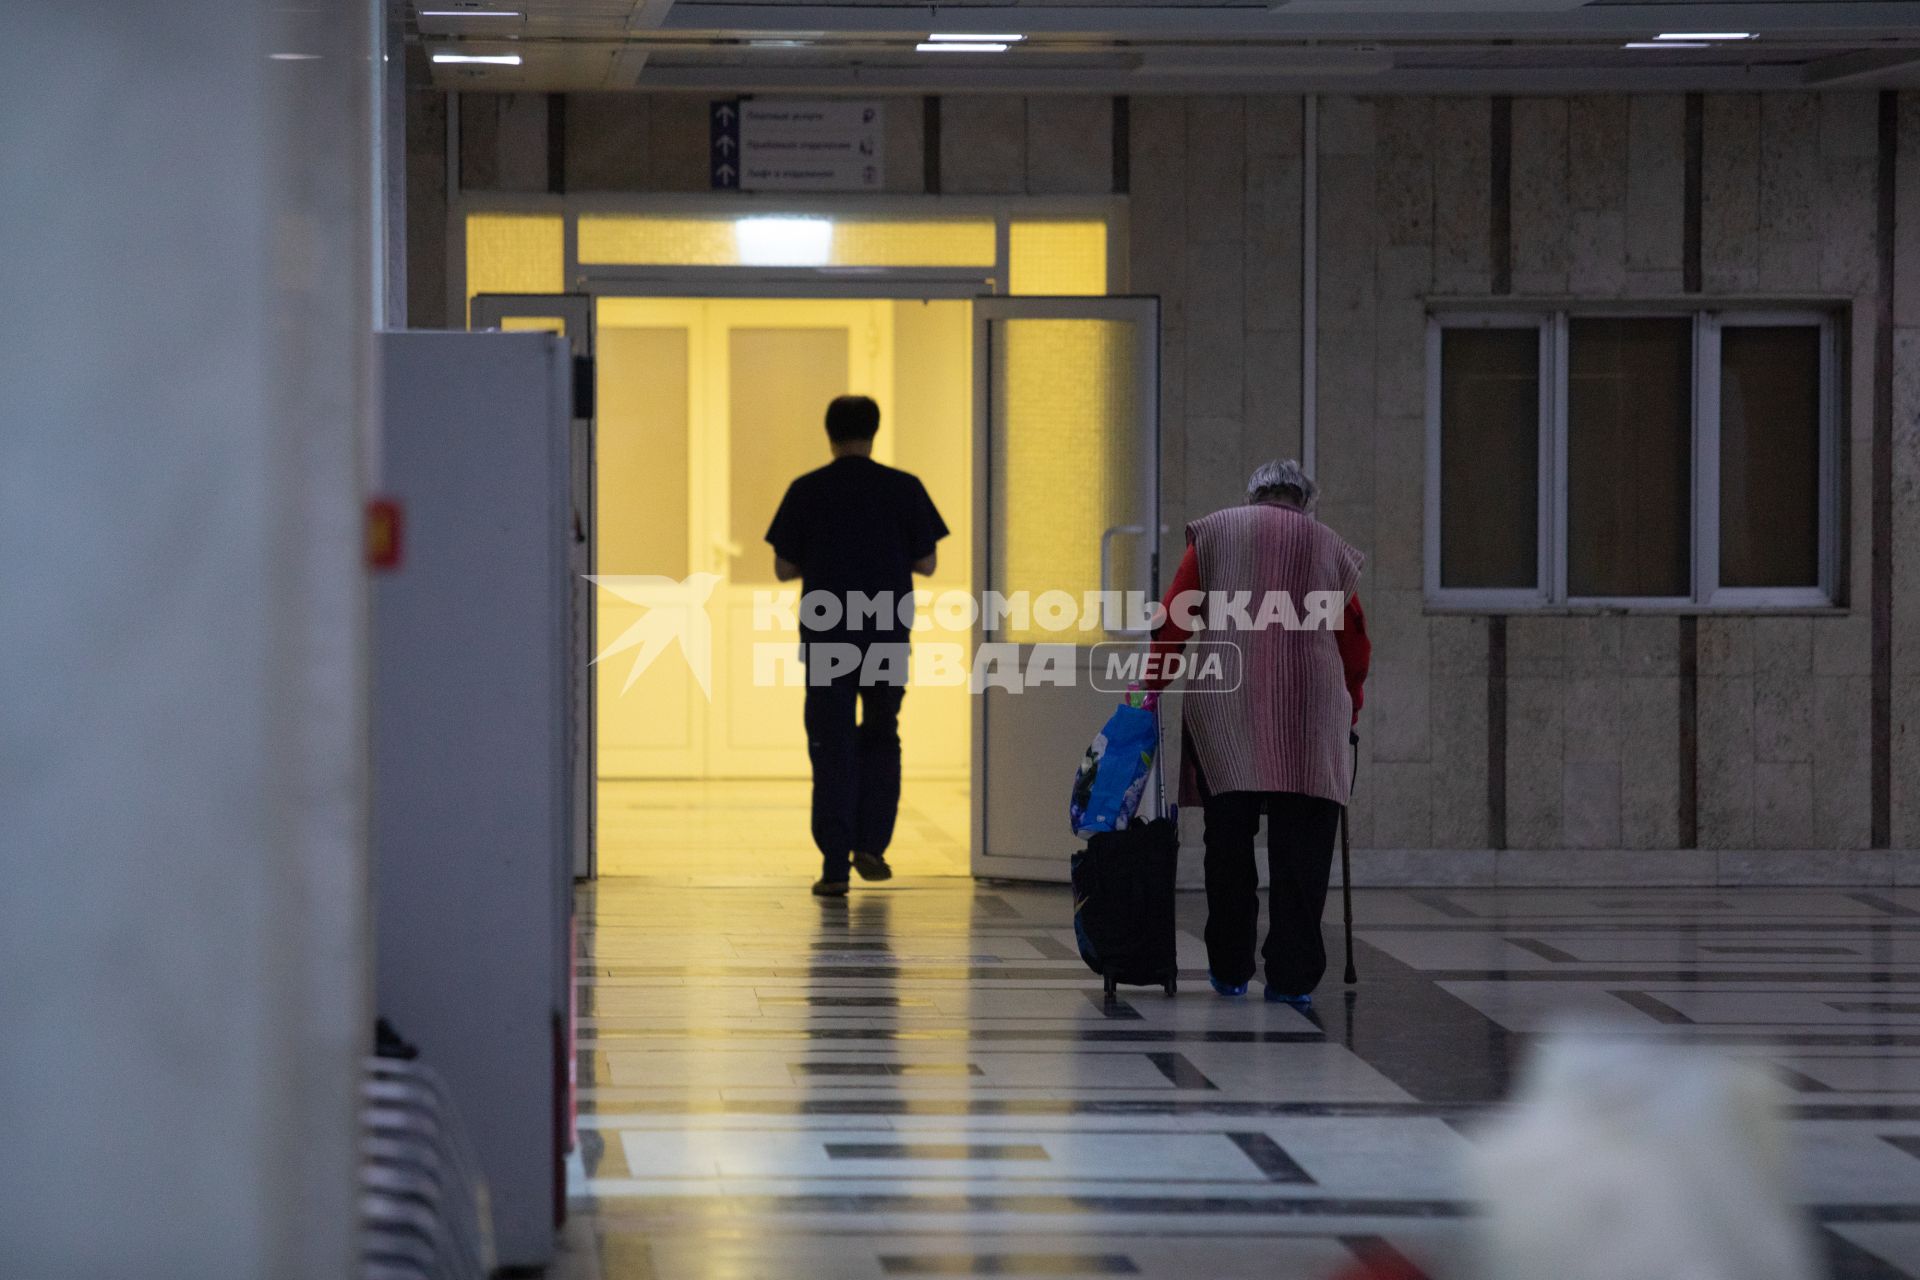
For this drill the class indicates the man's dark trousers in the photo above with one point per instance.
(1300, 834)
(856, 767)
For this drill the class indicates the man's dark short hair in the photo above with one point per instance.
(852, 418)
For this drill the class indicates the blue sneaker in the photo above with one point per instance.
(1302, 1003)
(1227, 988)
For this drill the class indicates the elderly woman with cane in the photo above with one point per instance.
(1268, 731)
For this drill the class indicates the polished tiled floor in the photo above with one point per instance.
(699, 831)
(925, 1081)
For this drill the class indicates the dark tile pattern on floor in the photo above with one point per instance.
(924, 1080)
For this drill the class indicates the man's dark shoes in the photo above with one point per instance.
(872, 866)
(825, 888)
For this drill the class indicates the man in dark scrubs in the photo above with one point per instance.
(854, 532)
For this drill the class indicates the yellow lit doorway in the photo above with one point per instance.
(706, 409)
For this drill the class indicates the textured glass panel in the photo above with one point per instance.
(779, 382)
(644, 240)
(1490, 458)
(1065, 447)
(1770, 456)
(642, 398)
(970, 243)
(515, 253)
(1059, 258)
(673, 242)
(1629, 457)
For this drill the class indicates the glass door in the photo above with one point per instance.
(710, 408)
(775, 365)
(571, 316)
(1067, 492)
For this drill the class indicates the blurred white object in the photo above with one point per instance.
(1630, 1161)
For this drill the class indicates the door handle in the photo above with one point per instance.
(1106, 568)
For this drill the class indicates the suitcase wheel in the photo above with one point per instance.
(1172, 984)
(1113, 987)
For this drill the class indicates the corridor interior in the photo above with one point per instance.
(707, 408)
(924, 1080)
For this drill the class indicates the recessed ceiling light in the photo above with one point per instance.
(294, 57)
(1697, 36)
(969, 38)
(490, 59)
(1666, 44)
(470, 13)
(962, 46)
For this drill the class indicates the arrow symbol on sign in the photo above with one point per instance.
(723, 144)
(725, 172)
(723, 113)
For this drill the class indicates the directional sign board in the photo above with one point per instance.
(793, 144)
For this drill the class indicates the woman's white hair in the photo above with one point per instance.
(1282, 480)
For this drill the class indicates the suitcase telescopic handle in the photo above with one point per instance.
(1159, 765)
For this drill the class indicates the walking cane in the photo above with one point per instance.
(1346, 859)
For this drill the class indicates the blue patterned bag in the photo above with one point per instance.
(1114, 772)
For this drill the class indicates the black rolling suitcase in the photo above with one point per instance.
(1123, 904)
(1123, 897)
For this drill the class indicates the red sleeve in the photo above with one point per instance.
(1171, 637)
(1356, 651)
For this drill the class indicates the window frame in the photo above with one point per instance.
(1493, 598)
(1706, 594)
(1707, 503)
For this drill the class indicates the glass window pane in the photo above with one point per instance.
(779, 382)
(515, 253)
(1490, 458)
(1057, 258)
(953, 243)
(642, 397)
(1770, 456)
(1629, 457)
(1065, 461)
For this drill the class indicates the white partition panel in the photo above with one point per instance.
(472, 870)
